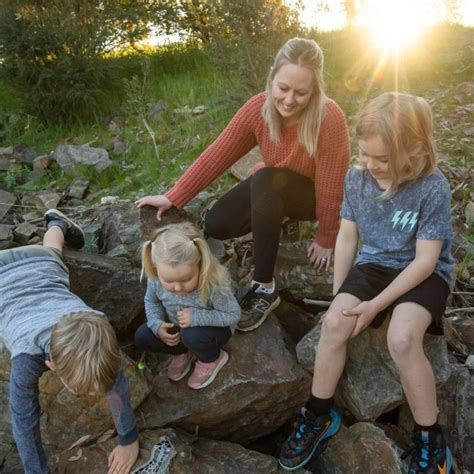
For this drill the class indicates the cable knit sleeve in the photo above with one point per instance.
(331, 167)
(233, 143)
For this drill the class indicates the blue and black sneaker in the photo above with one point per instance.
(309, 433)
(429, 454)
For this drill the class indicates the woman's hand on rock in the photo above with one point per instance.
(319, 257)
(159, 201)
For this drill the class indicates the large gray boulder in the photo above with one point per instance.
(7, 200)
(456, 406)
(370, 384)
(295, 276)
(259, 389)
(111, 285)
(363, 448)
(69, 157)
(187, 454)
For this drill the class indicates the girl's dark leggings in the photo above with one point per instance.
(258, 205)
(204, 341)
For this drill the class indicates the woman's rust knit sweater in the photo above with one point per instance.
(248, 129)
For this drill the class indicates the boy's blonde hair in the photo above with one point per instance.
(85, 352)
(175, 244)
(405, 124)
(304, 53)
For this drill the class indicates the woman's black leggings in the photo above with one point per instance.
(258, 205)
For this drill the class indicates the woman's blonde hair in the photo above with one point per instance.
(175, 244)
(405, 124)
(85, 352)
(304, 53)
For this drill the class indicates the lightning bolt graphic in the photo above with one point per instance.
(413, 220)
(405, 218)
(396, 218)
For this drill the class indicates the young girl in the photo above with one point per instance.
(190, 309)
(398, 205)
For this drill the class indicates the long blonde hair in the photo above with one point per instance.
(85, 352)
(304, 53)
(405, 124)
(175, 244)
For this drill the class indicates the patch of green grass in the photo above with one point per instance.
(182, 75)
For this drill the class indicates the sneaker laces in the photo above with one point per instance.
(246, 301)
(304, 427)
(422, 454)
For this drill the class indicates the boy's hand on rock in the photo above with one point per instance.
(167, 337)
(184, 317)
(122, 458)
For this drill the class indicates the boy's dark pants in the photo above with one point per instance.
(204, 341)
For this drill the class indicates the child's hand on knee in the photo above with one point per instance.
(184, 317)
(122, 458)
(166, 335)
(365, 313)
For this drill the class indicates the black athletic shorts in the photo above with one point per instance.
(368, 280)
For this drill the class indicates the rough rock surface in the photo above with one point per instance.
(456, 405)
(244, 167)
(294, 276)
(6, 202)
(363, 448)
(111, 285)
(370, 384)
(260, 388)
(459, 332)
(69, 156)
(189, 454)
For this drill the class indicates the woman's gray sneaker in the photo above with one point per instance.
(256, 306)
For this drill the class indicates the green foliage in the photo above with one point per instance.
(240, 37)
(55, 49)
(14, 177)
(247, 35)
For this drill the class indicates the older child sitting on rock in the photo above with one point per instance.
(45, 326)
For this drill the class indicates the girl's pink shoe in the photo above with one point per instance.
(180, 365)
(205, 372)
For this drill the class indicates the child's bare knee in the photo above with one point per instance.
(401, 345)
(336, 325)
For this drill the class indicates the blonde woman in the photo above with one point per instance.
(303, 138)
(190, 309)
(397, 205)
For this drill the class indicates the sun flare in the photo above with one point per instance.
(395, 26)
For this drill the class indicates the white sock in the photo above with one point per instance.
(262, 289)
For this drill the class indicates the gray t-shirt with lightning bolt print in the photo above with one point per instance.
(388, 228)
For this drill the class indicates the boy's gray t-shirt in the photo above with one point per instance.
(388, 228)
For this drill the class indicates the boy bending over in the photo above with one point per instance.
(45, 326)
